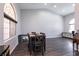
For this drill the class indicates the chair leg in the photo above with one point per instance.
(73, 48)
(30, 52)
(43, 52)
(77, 47)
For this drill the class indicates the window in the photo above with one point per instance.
(72, 25)
(9, 21)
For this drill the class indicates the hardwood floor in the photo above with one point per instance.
(54, 47)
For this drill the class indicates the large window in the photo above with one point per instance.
(72, 25)
(9, 21)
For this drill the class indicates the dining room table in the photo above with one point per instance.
(34, 39)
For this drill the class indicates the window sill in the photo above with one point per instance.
(9, 39)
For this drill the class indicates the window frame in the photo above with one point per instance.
(8, 17)
(71, 25)
(11, 20)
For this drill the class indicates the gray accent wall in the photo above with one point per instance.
(41, 20)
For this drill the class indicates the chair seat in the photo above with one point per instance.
(76, 40)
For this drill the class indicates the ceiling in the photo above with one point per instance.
(58, 8)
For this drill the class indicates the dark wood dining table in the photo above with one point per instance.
(36, 36)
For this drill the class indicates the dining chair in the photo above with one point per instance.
(75, 42)
(36, 44)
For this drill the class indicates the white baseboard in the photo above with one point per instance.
(53, 37)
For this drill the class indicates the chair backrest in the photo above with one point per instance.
(73, 33)
(30, 36)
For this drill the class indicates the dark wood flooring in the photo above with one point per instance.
(54, 47)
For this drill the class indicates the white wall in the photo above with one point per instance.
(1, 23)
(67, 19)
(41, 21)
(77, 16)
(13, 41)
